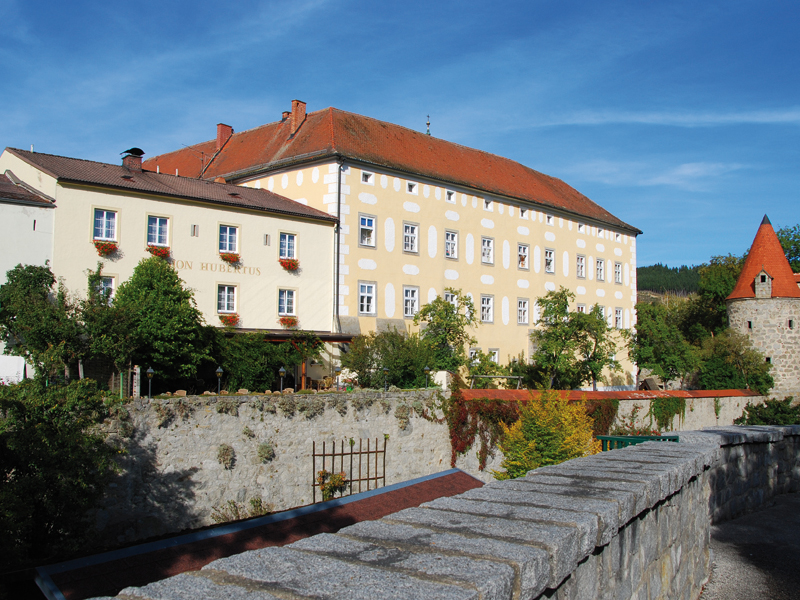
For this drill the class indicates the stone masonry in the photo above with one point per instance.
(626, 524)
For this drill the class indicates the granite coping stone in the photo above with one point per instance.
(308, 575)
(662, 482)
(607, 513)
(561, 542)
(190, 586)
(493, 580)
(531, 564)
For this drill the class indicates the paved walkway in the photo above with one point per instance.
(758, 555)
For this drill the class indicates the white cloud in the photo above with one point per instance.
(696, 176)
(679, 119)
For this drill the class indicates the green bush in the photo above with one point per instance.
(772, 412)
(406, 357)
(226, 456)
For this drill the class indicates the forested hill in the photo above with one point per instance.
(661, 278)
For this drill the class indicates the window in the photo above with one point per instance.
(617, 272)
(487, 251)
(618, 318)
(450, 244)
(410, 301)
(549, 261)
(366, 231)
(494, 355)
(286, 302)
(266, 239)
(105, 224)
(581, 228)
(195, 231)
(602, 310)
(487, 205)
(580, 266)
(600, 232)
(617, 237)
(410, 238)
(473, 353)
(228, 238)
(749, 324)
(523, 313)
(522, 256)
(106, 288)
(523, 213)
(368, 178)
(549, 220)
(287, 245)
(487, 309)
(791, 324)
(411, 188)
(226, 298)
(450, 196)
(157, 231)
(366, 298)
(582, 308)
(451, 298)
(600, 265)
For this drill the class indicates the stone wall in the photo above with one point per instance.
(630, 523)
(700, 412)
(171, 477)
(770, 334)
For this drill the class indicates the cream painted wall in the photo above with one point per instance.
(387, 198)
(26, 236)
(196, 259)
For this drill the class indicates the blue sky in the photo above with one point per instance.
(681, 118)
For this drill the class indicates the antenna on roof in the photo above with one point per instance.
(429, 124)
(31, 147)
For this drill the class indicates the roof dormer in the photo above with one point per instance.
(763, 285)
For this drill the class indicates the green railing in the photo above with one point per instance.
(612, 442)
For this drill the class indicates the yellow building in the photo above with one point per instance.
(134, 213)
(418, 214)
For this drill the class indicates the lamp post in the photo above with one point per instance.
(282, 372)
(385, 379)
(150, 374)
(338, 371)
(219, 379)
(427, 372)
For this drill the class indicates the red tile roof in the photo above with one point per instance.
(118, 177)
(331, 133)
(18, 192)
(766, 253)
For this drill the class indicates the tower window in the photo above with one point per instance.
(791, 324)
(768, 359)
(749, 324)
(763, 279)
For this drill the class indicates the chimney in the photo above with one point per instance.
(298, 115)
(224, 132)
(132, 159)
(285, 115)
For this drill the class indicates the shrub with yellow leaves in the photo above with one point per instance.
(549, 431)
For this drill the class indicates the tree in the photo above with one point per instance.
(404, 355)
(445, 328)
(167, 329)
(658, 345)
(717, 280)
(38, 321)
(790, 241)
(483, 365)
(550, 430)
(732, 363)
(570, 347)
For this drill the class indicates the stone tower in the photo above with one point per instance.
(765, 306)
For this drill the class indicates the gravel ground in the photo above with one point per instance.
(758, 555)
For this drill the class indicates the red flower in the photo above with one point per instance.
(288, 322)
(290, 264)
(159, 251)
(229, 320)
(105, 248)
(229, 257)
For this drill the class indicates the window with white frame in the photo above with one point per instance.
(450, 196)
(105, 225)
(602, 310)
(368, 178)
(581, 308)
(487, 205)
(600, 232)
(523, 311)
(410, 301)
(195, 231)
(549, 220)
(600, 269)
(523, 250)
(228, 238)
(451, 298)
(451, 244)
(410, 232)
(366, 298)
(487, 251)
(226, 298)
(617, 237)
(287, 245)
(617, 272)
(580, 266)
(411, 188)
(581, 228)
(106, 288)
(487, 309)
(473, 354)
(549, 260)
(286, 304)
(618, 318)
(523, 213)
(494, 355)
(157, 230)
(366, 231)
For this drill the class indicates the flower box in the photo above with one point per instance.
(105, 248)
(290, 264)
(159, 251)
(229, 257)
(229, 320)
(288, 322)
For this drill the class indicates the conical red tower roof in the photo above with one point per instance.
(766, 253)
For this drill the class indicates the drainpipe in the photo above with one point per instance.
(337, 244)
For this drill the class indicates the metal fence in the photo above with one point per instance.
(612, 442)
(352, 458)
